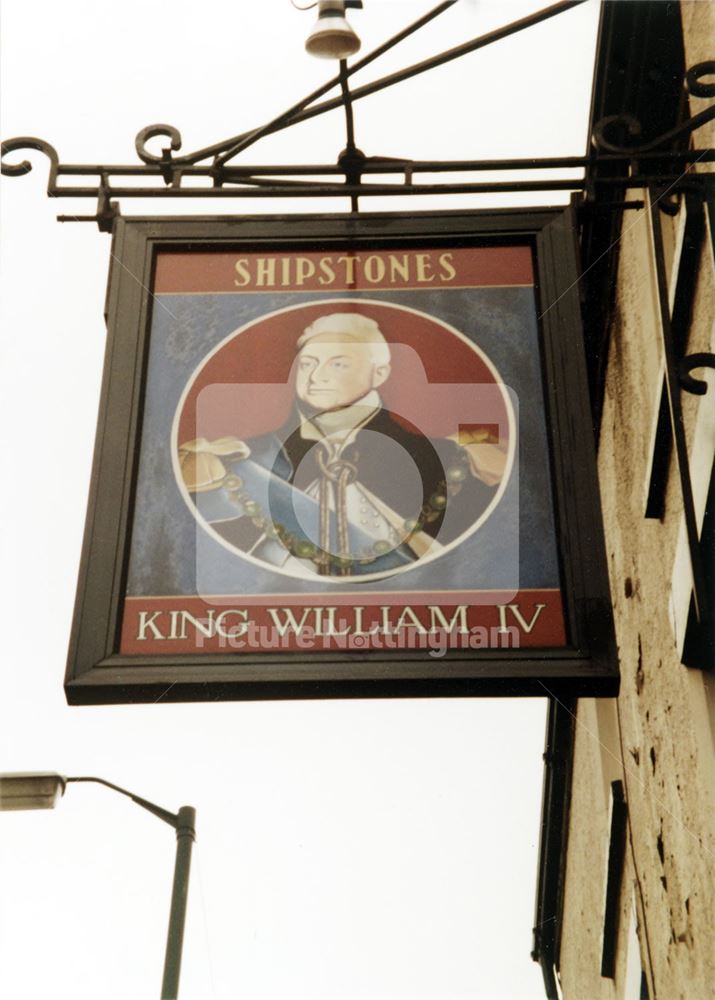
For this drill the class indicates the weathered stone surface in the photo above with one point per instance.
(661, 745)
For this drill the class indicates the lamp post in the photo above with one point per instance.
(42, 790)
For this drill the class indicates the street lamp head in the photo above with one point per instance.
(31, 790)
(332, 37)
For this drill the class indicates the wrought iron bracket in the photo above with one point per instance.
(677, 377)
(170, 174)
(618, 125)
(107, 210)
(24, 167)
(694, 86)
(352, 163)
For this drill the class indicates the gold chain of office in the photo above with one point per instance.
(303, 548)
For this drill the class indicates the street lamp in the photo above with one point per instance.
(41, 790)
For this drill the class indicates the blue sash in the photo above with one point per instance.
(298, 513)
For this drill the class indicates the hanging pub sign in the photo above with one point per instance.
(343, 456)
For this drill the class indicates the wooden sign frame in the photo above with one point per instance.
(584, 663)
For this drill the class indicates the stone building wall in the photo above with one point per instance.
(658, 736)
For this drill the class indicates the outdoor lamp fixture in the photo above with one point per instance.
(33, 790)
(332, 37)
(41, 790)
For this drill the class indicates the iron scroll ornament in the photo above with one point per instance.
(19, 169)
(166, 172)
(693, 85)
(151, 132)
(172, 168)
(687, 365)
(693, 79)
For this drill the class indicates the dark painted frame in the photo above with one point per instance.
(96, 674)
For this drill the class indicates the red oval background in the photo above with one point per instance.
(246, 387)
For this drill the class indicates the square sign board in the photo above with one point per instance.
(343, 456)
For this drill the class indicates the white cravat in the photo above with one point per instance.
(336, 429)
(343, 424)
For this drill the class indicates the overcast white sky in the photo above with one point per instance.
(380, 850)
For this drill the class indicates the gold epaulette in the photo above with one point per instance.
(200, 461)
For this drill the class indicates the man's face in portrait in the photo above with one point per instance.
(334, 371)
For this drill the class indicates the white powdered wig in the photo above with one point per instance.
(350, 327)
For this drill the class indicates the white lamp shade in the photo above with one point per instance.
(31, 790)
(332, 37)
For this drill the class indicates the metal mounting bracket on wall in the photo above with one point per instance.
(677, 378)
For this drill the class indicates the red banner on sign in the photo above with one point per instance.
(476, 267)
(322, 622)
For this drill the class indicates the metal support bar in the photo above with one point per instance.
(351, 159)
(439, 60)
(676, 413)
(285, 181)
(264, 188)
(254, 188)
(231, 147)
(281, 180)
(682, 297)
(226, 150)
(302, 112)
(373, 164)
